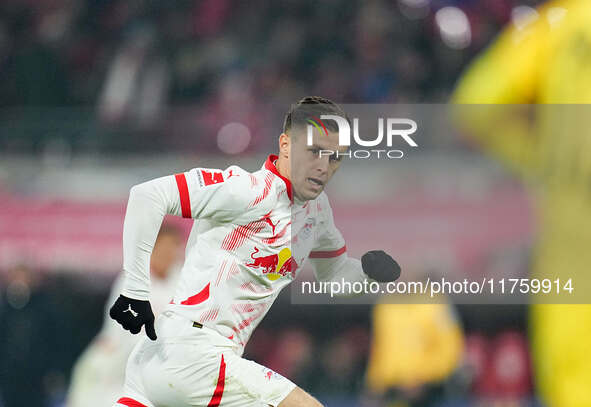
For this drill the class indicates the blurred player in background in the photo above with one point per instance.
(544, 58)
(415, 348)
(99, 374)
(252, 233)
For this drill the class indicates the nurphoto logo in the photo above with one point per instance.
(391, 127)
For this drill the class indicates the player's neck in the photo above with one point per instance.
(282, 165)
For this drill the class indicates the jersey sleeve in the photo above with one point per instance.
(198, 193)
(211, 193)
(329, 257)
(329, 241)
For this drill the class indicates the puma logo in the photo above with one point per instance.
(132, 311)
(267, 219)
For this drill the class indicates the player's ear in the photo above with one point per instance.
(284, 145)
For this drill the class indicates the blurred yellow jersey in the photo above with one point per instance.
(544, 58)
(413, 345)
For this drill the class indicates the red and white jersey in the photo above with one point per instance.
(249, 240)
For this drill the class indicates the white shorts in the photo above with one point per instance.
(189, 366)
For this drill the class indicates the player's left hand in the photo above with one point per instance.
(380, 266)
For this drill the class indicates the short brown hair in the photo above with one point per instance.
(310, 107)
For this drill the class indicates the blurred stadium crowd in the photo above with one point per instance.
(115, 77)
(124, 64)
(354, 51)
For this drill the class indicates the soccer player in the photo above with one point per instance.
(100, 372)
(251, 234)
(415, 347)
(545, 58)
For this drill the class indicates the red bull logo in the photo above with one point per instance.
(267, 263)
(274, 265)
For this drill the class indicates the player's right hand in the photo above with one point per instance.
(132, 314)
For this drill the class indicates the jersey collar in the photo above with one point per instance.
(269, 165)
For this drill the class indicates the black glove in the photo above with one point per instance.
(379, 266)
(132, 314)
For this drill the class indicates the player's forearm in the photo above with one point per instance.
(148, 203)
(375, 265)
(337, 269)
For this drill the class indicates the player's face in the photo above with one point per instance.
(312, 166)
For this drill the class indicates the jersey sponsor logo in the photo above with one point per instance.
(212, 177)
(274, 266)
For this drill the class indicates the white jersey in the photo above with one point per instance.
(249, 240)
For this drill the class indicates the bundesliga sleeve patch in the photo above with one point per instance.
(210, 177)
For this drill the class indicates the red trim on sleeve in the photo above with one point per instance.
(219, 390)
(328, 254)
(198, 298)
(126, 401)
(181, 183)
